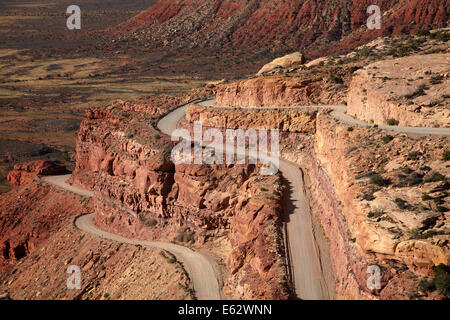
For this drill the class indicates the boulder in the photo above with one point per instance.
(292, 60)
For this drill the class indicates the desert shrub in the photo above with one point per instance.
(402, 204)
(446, 155)
(422, 33)
(426, 197)
(379, 180)
(442, 36)
(414, 179)
(150, 222)
(375, 213)
(368, 197)
(415, 234)
(441, 209)
(414, 155)
(387, 139)
(392, 122)
(350, 129)
(435, 177)
(439, 282)
(264, 189)
(436, 79)
(335, 78)
(407, 170)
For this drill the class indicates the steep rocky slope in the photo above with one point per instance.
(39, 242)
(277, 26)
(140, 192)
(30, 214)
(378, 197)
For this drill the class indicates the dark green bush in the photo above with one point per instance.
(446, 155)
(392, 122)
(402, 204)
(387, 139)
(439, 282)
(422, 33)
(435, 177)
(379, 180)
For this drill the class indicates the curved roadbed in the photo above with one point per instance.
(305, 265)
(200, 270)
(339, 112)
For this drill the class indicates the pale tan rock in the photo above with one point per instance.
(291, 60)
(403, 89)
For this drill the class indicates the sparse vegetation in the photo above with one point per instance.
(379, 180)
(414, 155)
(335, 78)
(402, 204)
(387, 139)
(440, 281)
(376, 213)
(446, 155)
(392, 122)
(435, 177)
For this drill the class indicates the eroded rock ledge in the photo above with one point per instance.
(139, 192)
(400, 224)
(411, 91)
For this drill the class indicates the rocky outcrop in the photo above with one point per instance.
(294, 120)
(379, 219)
(25, 173)
(411, 91)
(270, 91)
(293, 60)
(140, 193)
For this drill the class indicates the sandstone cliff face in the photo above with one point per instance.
(364, 223)
(289, 120)
(139, 192)
(382, 220)
(412, 90)
(271, 91)
(25, 173)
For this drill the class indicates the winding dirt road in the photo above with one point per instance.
(303, 254)
(199, 268)
(339, 112)
(305, 264)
